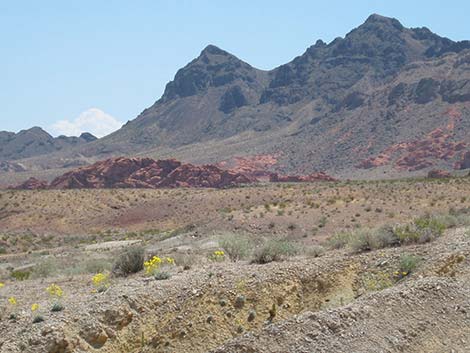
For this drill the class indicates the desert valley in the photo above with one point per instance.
(321, 206)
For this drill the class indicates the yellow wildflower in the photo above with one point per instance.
(12, 300)
(101, 281)
(34, 307)
(152, 265)
(170, 260)
(55, 291)
(2, 284)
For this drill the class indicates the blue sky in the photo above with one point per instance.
(59, 59)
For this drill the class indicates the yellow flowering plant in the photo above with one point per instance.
(218, 255)
(37, 317)
(153, 265)
(2, 284)
(13, 302)
(101, 281)
(55, 293)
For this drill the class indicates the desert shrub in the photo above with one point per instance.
(362, 240)
(161, 275)
(186, 260)
(37, 319)
(130, 261)
(97, 265)
(315, 251)
(236, 247)
(45, 268)
(339, 240)
(57, 306)
(274, 250)
(386, 237)
(422, 230)
(20, 275)
(408, 263)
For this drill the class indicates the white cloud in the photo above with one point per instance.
(93, 120)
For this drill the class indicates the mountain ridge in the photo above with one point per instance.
(329, 109)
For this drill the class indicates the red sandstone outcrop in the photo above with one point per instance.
(31, 184)
(417, 154)
(256, 166)
(147, 173)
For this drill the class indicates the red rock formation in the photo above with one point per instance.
(438, 174)
(256, 166)
(147, 173)
(464, 162)
(275, 178)
(31, 184)
(417, 154)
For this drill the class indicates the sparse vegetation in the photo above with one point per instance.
(274, 250)
(237, 247)
(130, 261)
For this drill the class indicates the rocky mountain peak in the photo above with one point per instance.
(214, 67)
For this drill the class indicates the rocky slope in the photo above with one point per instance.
(332, 303)
(384, 101)
(36, 141)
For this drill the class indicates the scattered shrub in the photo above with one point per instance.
(44, 269)
(161, 275)
(274, 250)
(408, 263)
(362, 240)
(57, 307)
(130, 261)
(237, 247)
(239, 302)
(315, 251)
(185, 260)
(37, 319)
(20, 275)
(339, 240)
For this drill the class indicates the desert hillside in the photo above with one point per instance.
(297, 267)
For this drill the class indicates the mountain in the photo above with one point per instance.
(36, 141)
(384, 101)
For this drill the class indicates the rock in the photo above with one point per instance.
(94, 335)
(119, 317)
(438, 174)
(31, 184)
(125, 172)
(464, 162)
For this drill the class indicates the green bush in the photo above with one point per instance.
(161, 275)
(130, 261)
(274, 250)
(339, 240)
(362, 240)
(408, 263)
(236, 247)
(20, 275)
(45, 268)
